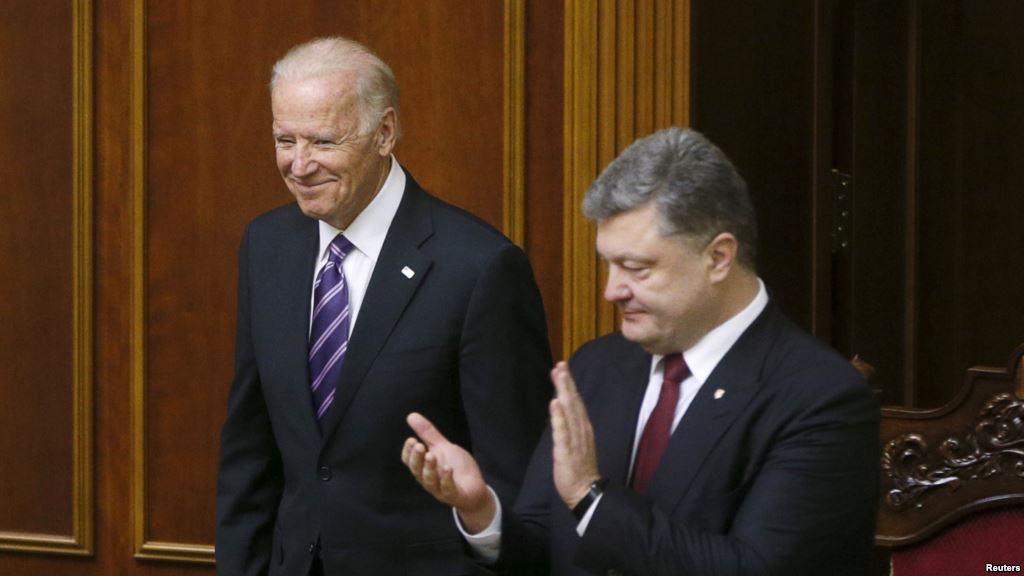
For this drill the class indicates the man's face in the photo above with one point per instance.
(332, 169)
(661, 284)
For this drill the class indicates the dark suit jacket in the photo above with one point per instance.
(463, 341)
(777, 476)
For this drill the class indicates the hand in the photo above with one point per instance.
(573, 451)
(449, 474)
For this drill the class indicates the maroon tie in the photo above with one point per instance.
(659, 426)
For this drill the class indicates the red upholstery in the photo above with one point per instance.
(987, 537)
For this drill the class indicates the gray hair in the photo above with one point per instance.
(376, 87)
(697, 190)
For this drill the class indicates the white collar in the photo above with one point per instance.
(368, 231)
(704, 356)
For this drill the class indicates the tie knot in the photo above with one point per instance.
(676, 369)
(339, 248)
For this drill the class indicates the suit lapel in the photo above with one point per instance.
(294, 266)
(616, 412)
(389, 291)
(727, 391)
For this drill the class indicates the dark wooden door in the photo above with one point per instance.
(881, 143)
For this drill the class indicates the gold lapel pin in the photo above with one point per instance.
(719, 393)
(407, 272)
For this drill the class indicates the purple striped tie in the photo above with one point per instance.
(328, 337)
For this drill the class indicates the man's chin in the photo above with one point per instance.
(635, 334)
(646, 340)
(311, 208)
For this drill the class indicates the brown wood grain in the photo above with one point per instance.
(752, 95)
(970, 262)
(36, 331)
(544, 179)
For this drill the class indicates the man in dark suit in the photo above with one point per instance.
(710, 436)
(364, 300)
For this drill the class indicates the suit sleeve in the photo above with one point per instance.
(249, 483)
(526, 529)
(814, 494)
(504, 359)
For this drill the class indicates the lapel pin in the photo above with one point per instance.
(719, 393)
(407, 272)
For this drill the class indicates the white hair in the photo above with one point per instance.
(376, 87)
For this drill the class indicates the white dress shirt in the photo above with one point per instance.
(366, 233)
(701, 358)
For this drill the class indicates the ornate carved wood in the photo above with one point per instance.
(940, 465)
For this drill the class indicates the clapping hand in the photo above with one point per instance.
(449, 473)
(573, 451)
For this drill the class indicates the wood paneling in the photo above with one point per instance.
(544, 179)
(514, 122)
(626, 75)
(926, 124)
(46, 296)
(871, 292)
(970, 267)
(753, 94)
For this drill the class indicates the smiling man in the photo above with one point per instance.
(709, 436)
(365, 299)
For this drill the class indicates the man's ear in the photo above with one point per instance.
(387, 132)
(721, 254)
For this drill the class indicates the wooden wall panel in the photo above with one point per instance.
(35, 367)
(753, 96)
(205, 167)
(970, 265)
(206, 124)
(45, 294)
(871, 292)
(451, 73)
(626, 75)
(925, 282)
(544, 158)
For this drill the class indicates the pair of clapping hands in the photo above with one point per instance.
(451, 475)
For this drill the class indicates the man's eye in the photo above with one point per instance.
(283, 142)
(638, 271)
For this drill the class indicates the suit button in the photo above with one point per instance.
(312, 547)
(324, 473)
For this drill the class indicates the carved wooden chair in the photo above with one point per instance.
(953, 479)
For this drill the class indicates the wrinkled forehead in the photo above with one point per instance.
(322, 102)
(336, 90)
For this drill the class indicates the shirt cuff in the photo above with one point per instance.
(585, 521)
(486, 544)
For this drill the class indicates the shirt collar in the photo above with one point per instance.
(368, 230)
(704, 356)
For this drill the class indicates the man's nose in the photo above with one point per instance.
(302, 161)
(615, 290)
